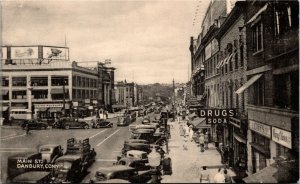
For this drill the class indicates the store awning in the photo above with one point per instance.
(193, 115)
(239, 138)
(4, 108)
(248, 83)
(58, 91)
(4, 91)
(55, 109)
(199, 123)
(264, 8)
(266, 175)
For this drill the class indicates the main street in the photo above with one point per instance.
(107, 142)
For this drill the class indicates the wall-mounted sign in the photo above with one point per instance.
(48, 105)
(24, 52)
(217, 116)
(260, 128)
(56, 53)
(3, 52)
(282, 137)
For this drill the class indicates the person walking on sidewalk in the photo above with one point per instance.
(181, 130)
(201, 142)
(206, 140)
(191, 133)
(227, 177)
(204, 175)
(219, 177)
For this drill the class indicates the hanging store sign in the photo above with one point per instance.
(217, 116)
(282, 137)
(260, 128)
(24, 52)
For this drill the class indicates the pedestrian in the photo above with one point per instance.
(206, 140)
(219, 177)
(187, 130)
(227, 177)
(191, 133)
(181, 130)
(185, 147)
(27, 128)
(204, 175)
(201, 142)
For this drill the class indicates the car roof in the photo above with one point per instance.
(49, 146)
(68, 158)
(114, 181)
(106, 170)
(143, 130)
(30, 176)
(136, 152)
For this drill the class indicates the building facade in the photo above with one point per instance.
(273, 87)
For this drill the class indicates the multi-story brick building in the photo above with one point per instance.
(273, 89)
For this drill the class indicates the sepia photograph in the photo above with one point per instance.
(149, 91)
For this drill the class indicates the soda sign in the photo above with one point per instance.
(217, 116)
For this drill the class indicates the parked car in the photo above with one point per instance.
(101, 123)
(105, 174)
(136, 159)
(33, 177)
(68, 123)
(50, 152)
(124, 121)
(34, 124)
(146, 121)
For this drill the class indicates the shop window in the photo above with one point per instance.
(257, 37)
(282, 151)
(287, 91)
(19, 81)
(5, 81)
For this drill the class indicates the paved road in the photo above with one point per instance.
(107, 142)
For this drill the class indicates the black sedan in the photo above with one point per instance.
(34, 124)
(101, 123)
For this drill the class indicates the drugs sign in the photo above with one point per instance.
(217, 116)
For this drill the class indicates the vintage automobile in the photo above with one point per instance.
(123, 172)
(123, 121)
(153, 137)
(50, 152)
(136, 159)
(78, 157)
(13, 170)
(143, 126)
(34, 124)
(101, 123)
(135, 146)
(67, 123)
(33, 177)
(146, 121)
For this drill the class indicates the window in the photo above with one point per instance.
(281, 151)
(259, 91)
(39, 81)
(19, 94)
(261, 140)
(236, 57)
(286, 17)
(242, 55)
(59, 80)
(230, 64)
(19, 81)
(257, 37)
(5, 81)
(40, 94)
(225, 68)
(287, 91)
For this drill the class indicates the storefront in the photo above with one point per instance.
(260, 145)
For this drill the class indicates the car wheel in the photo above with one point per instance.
(97, 126)
(67, 127)
(86, 127)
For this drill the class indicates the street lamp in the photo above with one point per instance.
(154, 159)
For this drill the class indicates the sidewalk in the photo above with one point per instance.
(188, 164)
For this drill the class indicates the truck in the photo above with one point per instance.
(74, 163)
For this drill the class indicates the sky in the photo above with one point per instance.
(146, 41)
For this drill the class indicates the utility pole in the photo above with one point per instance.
(64, 100)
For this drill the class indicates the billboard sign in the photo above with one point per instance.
(217, 116)
(55, 53)
(3, 52)
(24, 52)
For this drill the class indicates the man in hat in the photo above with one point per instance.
(201, 142)
(206, 140)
